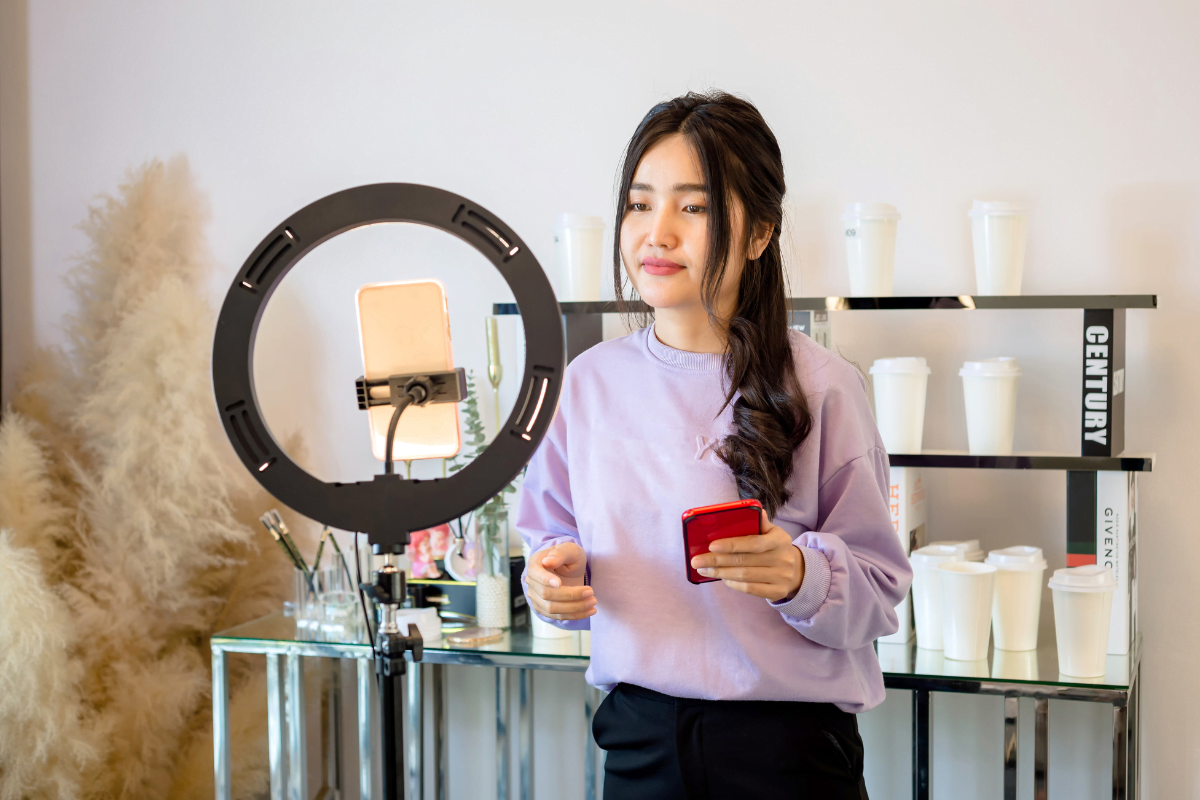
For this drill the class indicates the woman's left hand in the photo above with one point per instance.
(767, 565)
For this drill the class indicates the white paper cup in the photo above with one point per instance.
(990, 392)
(579, 246)
(927, 592)
(900, 402)
(968, 547)
(967, 588)
(1017, 606)
(1014, 666)
(1082, 608)
(870, 230)
(998, 235)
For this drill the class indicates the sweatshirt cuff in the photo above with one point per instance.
(813, 590)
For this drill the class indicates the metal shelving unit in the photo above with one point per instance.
(1102, 442)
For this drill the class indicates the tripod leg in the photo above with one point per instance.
(391, 696)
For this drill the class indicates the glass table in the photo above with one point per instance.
(924, 672)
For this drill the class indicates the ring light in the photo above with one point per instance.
(387, 507)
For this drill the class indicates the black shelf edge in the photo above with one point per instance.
(960, 303)
(953, 460)
(975, 302)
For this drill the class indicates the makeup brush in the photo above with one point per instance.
(277, 518)
(495, 369)
(293, 557)
(320, 548)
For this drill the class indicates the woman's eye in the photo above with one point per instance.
(694, 209)
(638, 207)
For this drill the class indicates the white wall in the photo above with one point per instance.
(1086, 111)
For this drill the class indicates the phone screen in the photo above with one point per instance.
(703, 526)
(405, 329)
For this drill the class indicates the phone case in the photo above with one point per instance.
(704, 525)
(404, 327)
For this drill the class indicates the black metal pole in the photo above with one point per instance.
(392, 738)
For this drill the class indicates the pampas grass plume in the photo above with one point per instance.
(130, 521)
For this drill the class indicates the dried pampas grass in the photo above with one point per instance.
(131, 522)
(44, 750)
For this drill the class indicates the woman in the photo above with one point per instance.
(746, 687)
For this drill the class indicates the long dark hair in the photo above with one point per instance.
(740, 159)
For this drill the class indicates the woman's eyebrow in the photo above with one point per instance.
(678, 188)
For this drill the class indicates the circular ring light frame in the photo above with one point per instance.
(387, 508)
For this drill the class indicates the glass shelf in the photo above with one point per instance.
(956, 302)
(905, 666)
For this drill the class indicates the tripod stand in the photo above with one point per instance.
(388, 593)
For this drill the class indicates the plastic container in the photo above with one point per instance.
(900, 385)
(998, 232)
(967, 588)
(1017, 607)
(870, 230)
(579, 246)
(927, 592)
(990, 393)
(1082, 609)
(493, 597)
(426, 619)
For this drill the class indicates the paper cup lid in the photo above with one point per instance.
(933, 554)
(870, 211)
(578, 221)
(1001, 367)
(997, 208)
(969, 547)
(1090, 578)
(909, 364)
(1019, 557)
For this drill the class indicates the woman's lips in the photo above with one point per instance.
(660, 266)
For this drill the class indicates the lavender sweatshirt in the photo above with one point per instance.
(631, 448)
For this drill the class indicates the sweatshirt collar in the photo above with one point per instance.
(682, 359)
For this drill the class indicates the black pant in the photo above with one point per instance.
(667, 748)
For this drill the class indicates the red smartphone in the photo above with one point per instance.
(704, 525)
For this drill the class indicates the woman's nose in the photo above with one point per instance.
(662, 232)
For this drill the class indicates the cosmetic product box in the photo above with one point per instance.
(907, 503)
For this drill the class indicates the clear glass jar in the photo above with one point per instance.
(493, 594)
(305, 608)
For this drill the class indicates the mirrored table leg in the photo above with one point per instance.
(276, 733)
(366, 674)
(441, 755)
(1131, 773)
(502, 709)
(297, 730)
(1012, 710)
(416, 733)
(220, 703)
(922, 722)
(1120, 746)
(592, 699)
(1041, 747)
(525, 730)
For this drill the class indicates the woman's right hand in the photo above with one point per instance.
(556, 589)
